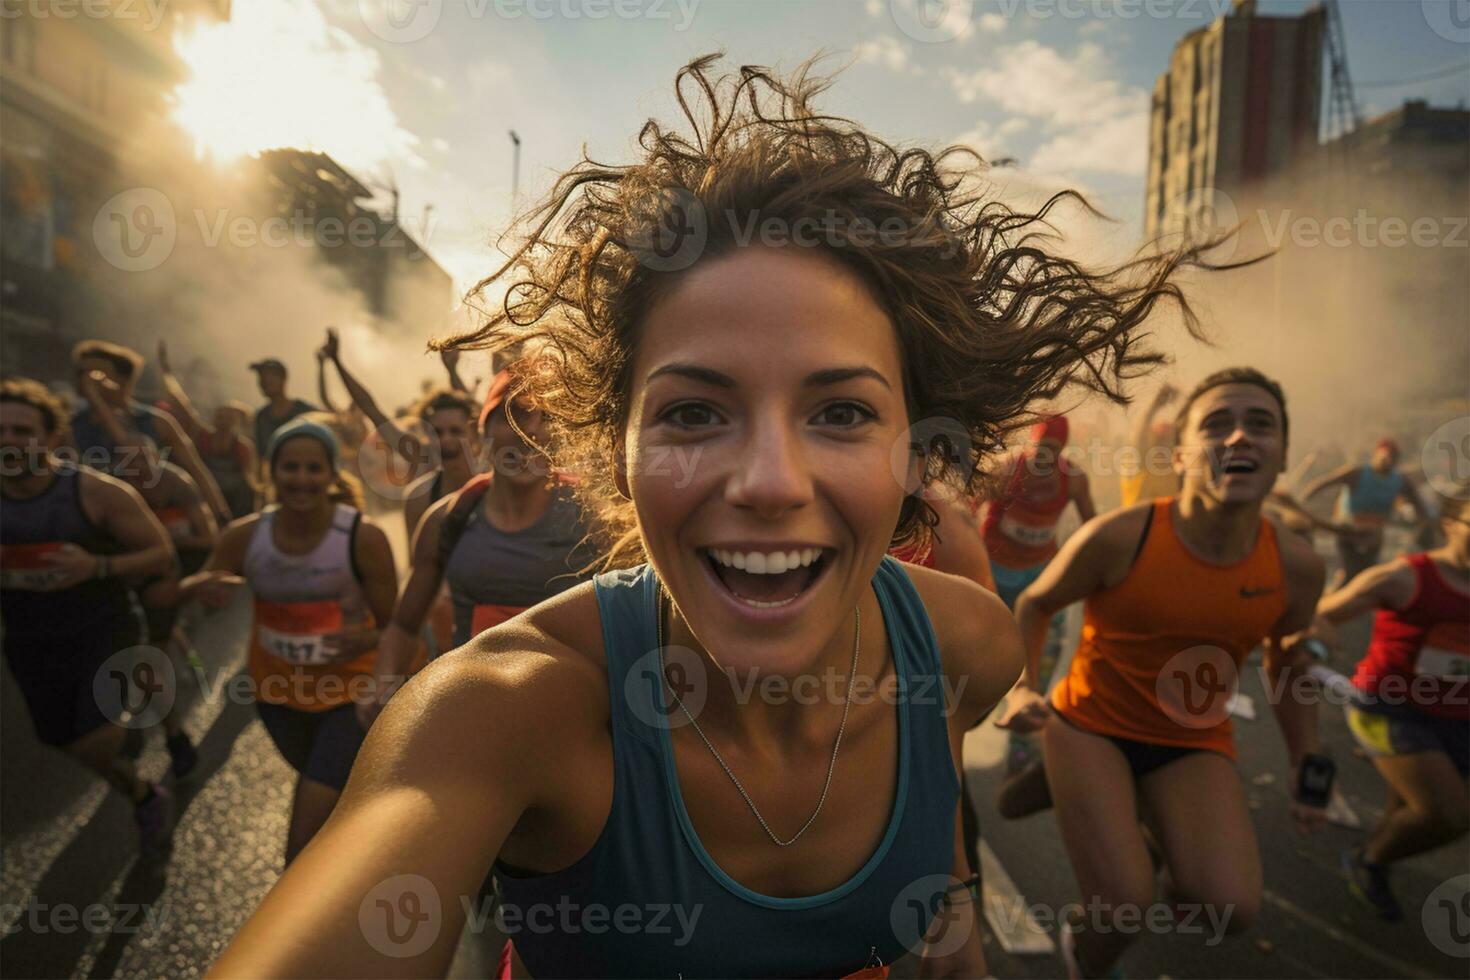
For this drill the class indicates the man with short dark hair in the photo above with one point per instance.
(122, 366)
(270, 375)
(71, 539)
(1373, 488)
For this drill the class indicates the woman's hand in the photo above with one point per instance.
(349, 643)
(1025, 711)
(213, 589)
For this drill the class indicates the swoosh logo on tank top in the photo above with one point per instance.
(1254, 593)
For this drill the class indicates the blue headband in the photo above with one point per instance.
(308, 428)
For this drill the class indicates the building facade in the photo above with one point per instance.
(1239, 106)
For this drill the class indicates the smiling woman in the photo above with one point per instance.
(756, 348)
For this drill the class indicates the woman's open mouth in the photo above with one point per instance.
(763, 579)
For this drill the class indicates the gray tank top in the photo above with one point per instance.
(517, 568)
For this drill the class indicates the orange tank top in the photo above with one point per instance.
(1160, 652)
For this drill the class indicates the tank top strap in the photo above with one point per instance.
(626, 603)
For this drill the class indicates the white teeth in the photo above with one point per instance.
(761, 563)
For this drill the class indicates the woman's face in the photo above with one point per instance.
(767, 403)
(511, 457)
(302, 473)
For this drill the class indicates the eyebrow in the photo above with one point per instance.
(817, 379)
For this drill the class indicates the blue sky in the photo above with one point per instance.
(1060, 84)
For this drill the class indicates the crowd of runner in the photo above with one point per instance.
(123, 520)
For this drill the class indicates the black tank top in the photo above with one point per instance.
(30, 528)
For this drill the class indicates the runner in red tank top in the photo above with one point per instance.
(1413, 717)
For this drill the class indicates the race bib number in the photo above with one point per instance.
(1446, 653)
(487, 615)
(175, 521)
(24, 568)
(1027, 534)
(296, 632)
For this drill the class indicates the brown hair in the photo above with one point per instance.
(446, 399)
(31, 392)
(128, 362)
(1236, 376)
(988, 318)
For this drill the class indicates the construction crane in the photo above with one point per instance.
(1343, 116)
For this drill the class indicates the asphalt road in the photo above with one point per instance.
(75, 900)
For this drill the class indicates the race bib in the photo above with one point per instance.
(488, 614)
(1446, 653)
(23, 567)
(296, 631)
(175, 521)
(1027, 534)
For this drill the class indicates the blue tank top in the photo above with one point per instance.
(666, 908)
(1374, 494)
(34, 525)
(91, 438)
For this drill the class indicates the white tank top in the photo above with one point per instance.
(325, 573)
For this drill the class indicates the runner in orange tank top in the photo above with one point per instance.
(1177, 591)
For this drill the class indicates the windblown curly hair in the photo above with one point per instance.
(989, 321)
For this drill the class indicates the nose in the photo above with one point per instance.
(771, 475)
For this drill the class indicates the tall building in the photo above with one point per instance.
(82, 115)
(1239, 106)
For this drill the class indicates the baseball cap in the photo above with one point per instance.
(268, 363)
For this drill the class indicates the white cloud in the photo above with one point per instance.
(994, 142)
(1091, 119)
(277, 74)
(889, 53)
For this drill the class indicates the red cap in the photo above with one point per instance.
(1055, 428)
(498, 392)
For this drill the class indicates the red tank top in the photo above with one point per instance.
(1420, 655)
(1021, 527)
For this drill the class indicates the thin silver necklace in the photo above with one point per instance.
(831, 766)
